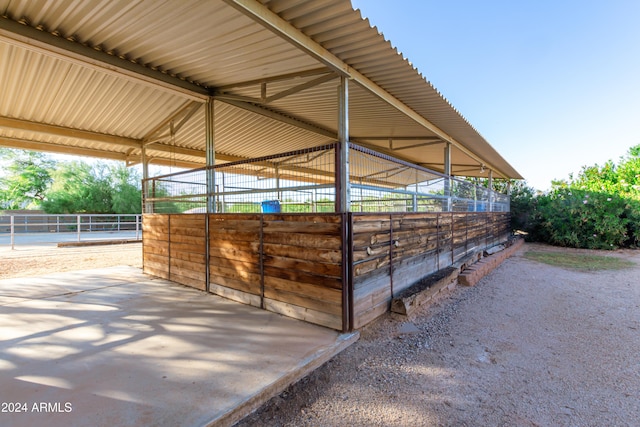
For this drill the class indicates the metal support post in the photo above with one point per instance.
(13, 233)
(210, 153)
(447, 172)
(146, 206)
(78, 223)
(490, 187)
(343, 185)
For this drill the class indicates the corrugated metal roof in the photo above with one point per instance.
(119, 48)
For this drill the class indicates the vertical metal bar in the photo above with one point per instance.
(438, 240)
(210, 154)
(78, 224)
(343, 138)
(145, 176)
(261, 260)
(279, 197)
(169, 247)
(475, 194)
(347, 306)
(447, 172)
(466, 233)
(415, 194)
(490, 186)
(13, 234)
(453, 230)
(349, 261)
(391, 246)
(338, 183)
(137, 227)
(207, 267)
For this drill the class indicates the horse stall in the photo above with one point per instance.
(268, 231)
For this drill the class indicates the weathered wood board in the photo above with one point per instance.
(301, 266)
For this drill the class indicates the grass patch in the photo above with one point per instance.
(580, 262)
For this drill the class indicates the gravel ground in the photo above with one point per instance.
(530, 345)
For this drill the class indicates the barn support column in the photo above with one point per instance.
(490, 187)
(146, 206)
(447, 180)
(343, 186)
(210, 154)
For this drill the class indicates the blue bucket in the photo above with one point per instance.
(271, 206)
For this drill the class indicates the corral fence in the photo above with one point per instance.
(19, 228)
(305, 181)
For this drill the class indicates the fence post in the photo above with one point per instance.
(138, 227)
(12, 233)
(78, 222)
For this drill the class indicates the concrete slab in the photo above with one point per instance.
(116, 347)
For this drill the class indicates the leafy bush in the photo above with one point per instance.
(599, 209)
(523, 202)
(584, 219)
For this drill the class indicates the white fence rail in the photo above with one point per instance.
(33, 229)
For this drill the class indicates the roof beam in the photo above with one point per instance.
(22, 144)
(272, 79)
(401, 138)
(49, 44)
(117, 141)
(406, 147)
(273, 22)
(280, 117)
(160, 131)
(264, 99)
(42, 128)
(192, 152)
(300, 87)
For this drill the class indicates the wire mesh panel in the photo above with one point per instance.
(299, 181)
(183, 192)
(305, 181)
(381, 183)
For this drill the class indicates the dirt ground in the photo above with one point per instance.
(34, 262)
(530, 345)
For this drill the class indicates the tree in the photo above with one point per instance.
(127, 195)
(27, 177)
(100, 188)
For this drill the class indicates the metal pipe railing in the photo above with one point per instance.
(45, 228)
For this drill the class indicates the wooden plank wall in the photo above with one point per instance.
(393, 251)
(155, 245)
(234, 257)
(187, 250)
(289, 264)
(174, 248)
(303, 267)
(293, 264)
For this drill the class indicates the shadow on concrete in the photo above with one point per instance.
(116, 347)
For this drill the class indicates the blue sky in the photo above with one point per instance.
(552, 85)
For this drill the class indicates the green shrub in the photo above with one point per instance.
(583, 219)
(598, 209)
